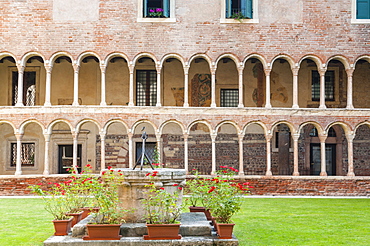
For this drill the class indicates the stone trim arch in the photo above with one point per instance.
(259, 57)
(346, 127)
(289, 124)
(172, 55)
(141, 55)
(205, 122)
(10, 123)
(160, 129)
(25, 123)
(80, 123)
(132, 129)
(340, 58)
(362, 57)
(314, 123)
(85, 54)
(357, 126)
(314, 58)
(204, 56)
(28, 55)
(228, 55)
(110, 122)
(113, 55)
(58, 54)
(54, 122)
(288, 58)
(260, 123)
(237, 128)
(6, 54)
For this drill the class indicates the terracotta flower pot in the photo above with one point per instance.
(162, 231)
(225, 231)
(88, 210)
(76, 217)
(103, 232)
(62, 227)
(201, 209)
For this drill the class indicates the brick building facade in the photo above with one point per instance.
(271, 87)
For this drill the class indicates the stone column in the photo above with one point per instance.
(102, 97)
(131, 95)
(349, 88)
(322, 88)
(47, 159)
(186, 154)
(213, 138)
(322, 138)
(159, 87)
(130, 150)
(295, 153)
(18, 167)
(213, 86)
(76, 69)
(268, 154)
(102, 150)
(159, 147)
(186, 85)
(75, 151)
(48, 68)
(241, 159)
(295, 87)
(19, 102)
(268, 90)
(350, 138)
(241, 91)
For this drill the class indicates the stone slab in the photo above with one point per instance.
(139, 241)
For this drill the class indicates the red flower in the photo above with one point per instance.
(119, 170)
(175, 184)
(103, 173)
(246, 183)
(180, 188)
(67, 169)
(161, 188)
(223, 166)
(88, 165)
(147, 174)
(154, 174)
(211, 189)
(39, 184)
(109, 167)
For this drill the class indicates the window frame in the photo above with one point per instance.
(222, 90)
(326, 81)
(147, 97)
(354, 19)
(141, 18)
(9, 150)
(224, 20)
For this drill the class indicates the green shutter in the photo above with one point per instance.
(228, 9)
(247, 8)
(363, 9)
(166, 8)
(145, 8)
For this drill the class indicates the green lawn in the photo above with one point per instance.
(262, 221)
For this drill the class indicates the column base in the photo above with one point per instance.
(46, 173)
(47, 104)
(350, 107)
(241, 105)
(131, 104)
(322, 106)
(323, 174)
(351, 174)
(295, 106)
(103, 104)
(296, 174)
(18, 173)
(268, 173)
(19, 104)
(158, 105)
(186, 105)
(75, 104)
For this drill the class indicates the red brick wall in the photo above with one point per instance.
(294, 186)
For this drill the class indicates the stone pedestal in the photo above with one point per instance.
(133, 189)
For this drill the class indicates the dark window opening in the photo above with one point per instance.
(239, 9)
(329, 86)
(146, 87)
(156, 9)
(29, 88)
(229, 97)
(27, 154)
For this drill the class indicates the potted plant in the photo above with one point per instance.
(226, 200)
(162, 211)
(56, 205)
(105, 224)
(197, 189)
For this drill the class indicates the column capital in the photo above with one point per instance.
(186, 69)
(350, 71)
(350, 136)
(76, 67)
(20, 67)
(130, 135)
(186, 136)
(103, 67)
(296, 136)
(240, 69)
(158, 67)
(48, 66)
(267, 71)
(268, 137)
(295, 71)
(323, 137)
(47, 137)
(241, 136)
(322, 71)
(213, 136)
(18, 136)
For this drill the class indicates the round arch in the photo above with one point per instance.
(25, 123)
(317, 126)
(340, 58)
(56, 55)
(143, 121)
(115, 54)
(10, 123)
(205, 122)
(347, 128)
(314, 58)
(85, 54)
(141, 55)
(259, 57)
(53, 123)
(28, 55)
(110, 122)
(362, 57)
(161, 127)
(290, 125)
(172, 55)
(261, 124)
(79, 124)
(237, 128)
(228, 55)
(288, 58)
(204, 56)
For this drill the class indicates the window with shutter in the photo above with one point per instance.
(156, 11)
(239, 11)
(363, 9)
